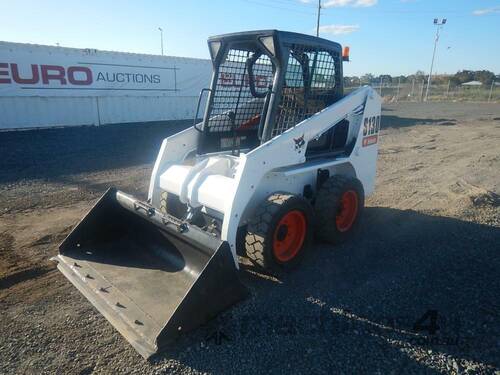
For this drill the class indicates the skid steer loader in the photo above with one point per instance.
(281, 154)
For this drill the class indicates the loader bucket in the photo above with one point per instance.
(150, 275)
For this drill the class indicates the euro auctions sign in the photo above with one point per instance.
(52, 77)
(27, 70)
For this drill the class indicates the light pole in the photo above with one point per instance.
(439, 24)
(319, 13)
(161, 39)
(399, 84)
(491, 90)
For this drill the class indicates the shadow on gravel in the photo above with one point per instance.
(48, 153)
(27, 274)
(412, 293)
(389, 121)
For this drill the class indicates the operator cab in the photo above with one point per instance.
(265, 82)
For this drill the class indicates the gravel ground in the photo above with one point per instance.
(428, 248)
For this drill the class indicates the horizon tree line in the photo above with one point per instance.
(486, 77)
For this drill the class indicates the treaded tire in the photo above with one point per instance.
(261, 230)
(170, 204)
(328, 206)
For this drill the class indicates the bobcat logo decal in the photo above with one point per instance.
(299, 142)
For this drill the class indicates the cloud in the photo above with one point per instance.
(482, 12)
(338, 29)
(348, 3)
(344, 3)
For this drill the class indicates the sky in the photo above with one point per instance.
(385, 36)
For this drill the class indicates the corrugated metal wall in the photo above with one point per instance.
(29, 112)
(111, 109)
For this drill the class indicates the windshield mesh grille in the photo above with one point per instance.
(310, 85)
(234, 107)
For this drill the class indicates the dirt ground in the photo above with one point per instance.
(428, 247)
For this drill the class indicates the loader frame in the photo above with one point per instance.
(276, 123)
(227, 183)
(280, 164)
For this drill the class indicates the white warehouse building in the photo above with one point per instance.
(45, 86)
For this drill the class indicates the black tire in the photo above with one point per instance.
(170, 204)
(262, 228)
(328, 205)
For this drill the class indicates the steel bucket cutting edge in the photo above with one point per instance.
(152, 277)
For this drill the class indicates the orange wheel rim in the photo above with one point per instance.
(289, 235)
(347, 211)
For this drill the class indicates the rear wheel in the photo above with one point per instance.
(338, 208)
(279, 233)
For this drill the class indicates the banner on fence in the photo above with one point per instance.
(32, 70)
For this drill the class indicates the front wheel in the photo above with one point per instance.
(170, 204)
(279, 232)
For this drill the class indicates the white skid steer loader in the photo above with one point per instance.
(281, 154)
